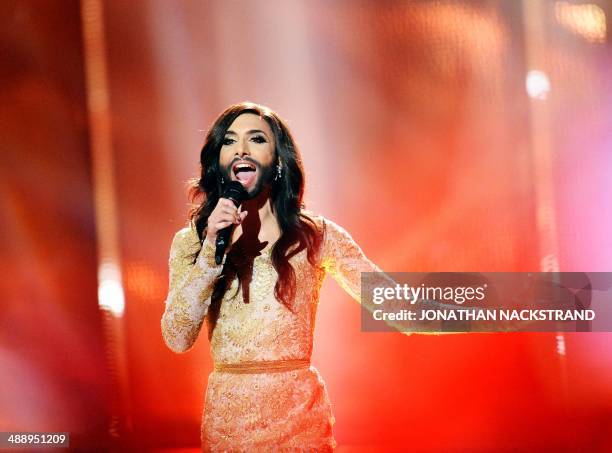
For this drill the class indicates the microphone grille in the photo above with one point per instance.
(235, 191)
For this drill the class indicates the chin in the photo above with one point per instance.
(257, 189)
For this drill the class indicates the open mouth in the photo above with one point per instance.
(244, 172)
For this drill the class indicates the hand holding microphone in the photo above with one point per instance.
(225, 216)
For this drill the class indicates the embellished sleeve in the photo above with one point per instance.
(344, 260)
(190, 289)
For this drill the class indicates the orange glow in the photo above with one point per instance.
(586, 20)
(418, 135)
(145, 282)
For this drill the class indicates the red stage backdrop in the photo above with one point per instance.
(445, 136)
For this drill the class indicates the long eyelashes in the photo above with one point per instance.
(257, 139)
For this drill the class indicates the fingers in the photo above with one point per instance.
(226, 209)
(226, 202)
(224, 215)
(220, 225)
(226, 219)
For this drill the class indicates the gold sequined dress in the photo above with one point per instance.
(263, 393)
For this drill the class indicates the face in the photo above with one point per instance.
(247, 154)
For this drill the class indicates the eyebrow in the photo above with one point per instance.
(252, 131)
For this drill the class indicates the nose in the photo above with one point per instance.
(243, 148)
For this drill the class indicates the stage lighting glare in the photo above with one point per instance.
(560, 338)
(586, 20)
(537, 84)
(110, 290)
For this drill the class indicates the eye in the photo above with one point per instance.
(259, 139)
(228, 141)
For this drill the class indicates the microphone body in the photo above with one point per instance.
(237, 193)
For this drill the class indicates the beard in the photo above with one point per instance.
(265, 173)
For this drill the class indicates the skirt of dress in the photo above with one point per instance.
(283, 410)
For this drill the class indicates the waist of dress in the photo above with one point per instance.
(263, 366)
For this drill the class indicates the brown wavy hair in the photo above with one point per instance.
(298, 230)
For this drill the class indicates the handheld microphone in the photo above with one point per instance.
(237, 193)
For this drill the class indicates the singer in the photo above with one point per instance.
(260, 302)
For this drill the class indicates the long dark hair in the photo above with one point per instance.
(297, 228)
